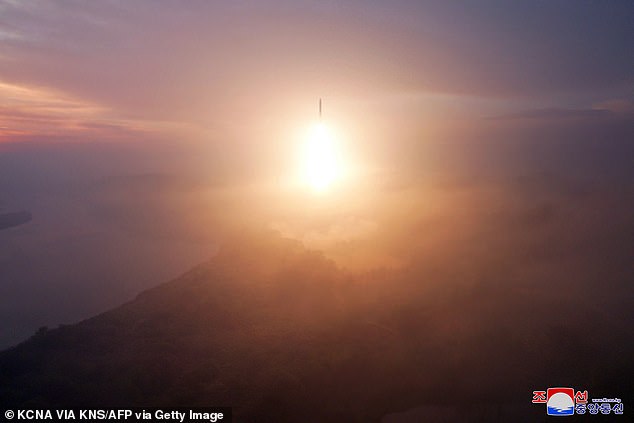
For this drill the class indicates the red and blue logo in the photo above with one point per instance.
(560, 401)
(567, 402)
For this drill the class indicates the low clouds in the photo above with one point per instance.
(555, 113)
(8, 220)
(31, 113)
(616, 105)
(344, 229)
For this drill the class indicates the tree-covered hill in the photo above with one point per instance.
(282, 334)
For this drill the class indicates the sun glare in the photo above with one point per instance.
(321, 158)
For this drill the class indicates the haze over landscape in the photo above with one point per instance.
(460, 219)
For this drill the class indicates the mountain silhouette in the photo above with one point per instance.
(282, 334)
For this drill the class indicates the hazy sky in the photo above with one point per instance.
(137, 133)
(215, 72)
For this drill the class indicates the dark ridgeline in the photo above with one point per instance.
(283, 335)
(8, 220)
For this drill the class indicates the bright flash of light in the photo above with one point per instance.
(321, 158)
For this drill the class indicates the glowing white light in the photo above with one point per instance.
(321, 161)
